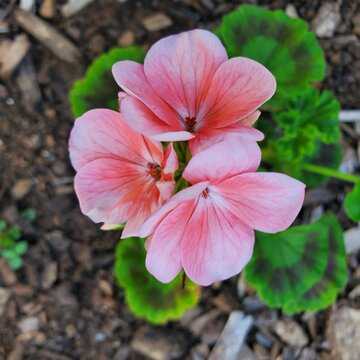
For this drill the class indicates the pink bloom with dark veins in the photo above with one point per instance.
(122, 176)
(188, 88)
(208, 228)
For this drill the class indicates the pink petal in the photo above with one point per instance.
(238, 88)
(216, 244)
(110, 190)
(251, 119)
(163, 259)
(102, 133)
(173, 136)
(171, 162)
(166, 189)
(222, 160)
(144, 121)
(130, 76)
(267, 202)
(189, 193)
(169, 165)
(209, 137)
(145, 207)
(180, 68)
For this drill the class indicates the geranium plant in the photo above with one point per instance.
(177, 164)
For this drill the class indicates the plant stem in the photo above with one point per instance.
(330, 172)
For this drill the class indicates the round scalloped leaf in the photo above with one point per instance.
(21, 247)
(286, 264)
(98, 89)
(15, 262)
(352, 203)
(308, 117)
(281, 43)
(146, 297)
(324, 292)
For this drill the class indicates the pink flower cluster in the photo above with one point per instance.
(187, 90)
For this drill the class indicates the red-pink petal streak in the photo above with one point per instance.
(122, 176)
(212, 222)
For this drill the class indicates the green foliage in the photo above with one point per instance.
(308, 131)
(145, 296)
(281, 43)
(29, 214)
(98, 89)
(352, 203)
(323, 293)
(12, 248)
(307, 269)
(304, 126)
(305, 119)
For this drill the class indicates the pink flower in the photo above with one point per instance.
(207, 229)
(122, 176)
(188, 87)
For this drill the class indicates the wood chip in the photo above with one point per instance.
(60, 46)
(72, 7)
(47, 9)
(127, 38)
(26, 80)
(12, 53)
(352, 240)
(344, 333)
(157, 22)
(291, 333)
(349, 115)
(232, 338)
(27, 5)
(21, 188)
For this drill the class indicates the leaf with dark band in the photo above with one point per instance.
(98, 89)
(285, 264)
(145, 296)
(281, 43)
(324, 292)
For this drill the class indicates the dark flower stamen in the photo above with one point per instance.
(190, 122)
(154, 171)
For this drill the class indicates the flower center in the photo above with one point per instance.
(154, 171)
(205, 193)
(190, 122)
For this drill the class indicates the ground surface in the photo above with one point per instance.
(65, 292)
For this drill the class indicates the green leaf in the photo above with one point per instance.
(324, 292)
(6, 243)
(8, 254)
(21, 247)
(308, 117)
(308, 132)
(286, 264)
(324, 155)
(281, 43)
(2, 225)
(14, 233)
(98, 89)
(29, 214)
(16, 262)
(146, 297)
(352, 203)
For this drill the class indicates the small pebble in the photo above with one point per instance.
(127, 38)
(157, 22)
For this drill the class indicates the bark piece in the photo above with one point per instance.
(12, 53)
(72, 7)
(60, 46)
(232, 338)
